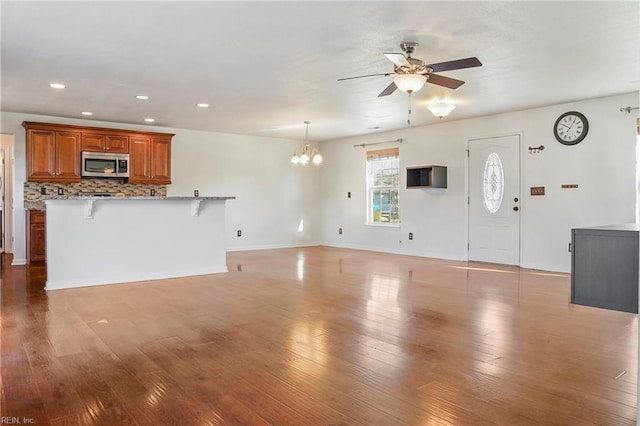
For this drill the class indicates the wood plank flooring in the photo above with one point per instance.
(316, 336)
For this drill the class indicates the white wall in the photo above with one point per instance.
(272, 194)
(603, 166)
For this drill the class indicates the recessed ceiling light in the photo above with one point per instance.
(202, 105)
(57, 85)
(87, 113)
(149, 120)
(142, 97)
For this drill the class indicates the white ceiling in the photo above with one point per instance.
(266, 67)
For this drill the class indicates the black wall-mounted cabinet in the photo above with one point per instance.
(427, 177)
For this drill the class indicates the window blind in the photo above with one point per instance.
(382, 154)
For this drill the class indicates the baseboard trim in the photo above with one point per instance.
(273, 246)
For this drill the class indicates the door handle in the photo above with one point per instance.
(515, 209)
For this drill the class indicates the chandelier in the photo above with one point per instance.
(308, 154)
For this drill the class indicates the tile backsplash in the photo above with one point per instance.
(33, 190)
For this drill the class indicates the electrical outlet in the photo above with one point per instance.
(60, 191)
(411, 235)
(239, 233)
(196, 193)
(153, 192)
(340, 231)
(43, 191)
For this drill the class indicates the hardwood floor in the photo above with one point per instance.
(317, 336)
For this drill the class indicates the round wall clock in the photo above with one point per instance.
(571, 128)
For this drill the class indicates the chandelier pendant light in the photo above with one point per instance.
(307, 154)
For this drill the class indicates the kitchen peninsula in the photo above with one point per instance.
(107, 240)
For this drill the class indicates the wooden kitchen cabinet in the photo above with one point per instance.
(53, 155)
(36, 237)
(96, 142)
(150, 160)
(54, 152)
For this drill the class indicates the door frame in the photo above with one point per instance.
(523, 209)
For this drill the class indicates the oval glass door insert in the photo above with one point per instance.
(493, 183)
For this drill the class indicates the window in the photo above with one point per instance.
(383, 175)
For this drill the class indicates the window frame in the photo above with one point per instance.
(382, 155)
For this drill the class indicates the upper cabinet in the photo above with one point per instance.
(54, 152)
(53, 155)
(95, 142)
(427, 177)
(150, 159)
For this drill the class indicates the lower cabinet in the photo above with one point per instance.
(36, 238)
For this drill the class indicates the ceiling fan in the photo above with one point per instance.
(411, 73)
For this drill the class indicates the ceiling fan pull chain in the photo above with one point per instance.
(409, 115)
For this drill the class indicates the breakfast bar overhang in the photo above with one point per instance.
(96, 241)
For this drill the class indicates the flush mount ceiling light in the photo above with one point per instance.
(441, 109)
(308, 153)
(202, 105)
(57, 85)
(142, 97)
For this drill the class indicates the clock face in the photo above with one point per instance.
(571, 128)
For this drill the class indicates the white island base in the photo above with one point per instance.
(96, 241)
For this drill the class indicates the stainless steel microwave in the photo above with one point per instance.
(104, 164)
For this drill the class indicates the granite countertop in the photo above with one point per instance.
(41, 204)
(93, 197)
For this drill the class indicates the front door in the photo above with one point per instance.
(494, 199)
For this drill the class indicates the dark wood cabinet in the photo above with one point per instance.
(95, 142)
(53, 155)
(150, 160)
(36, 238)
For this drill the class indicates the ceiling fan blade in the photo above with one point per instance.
(389, 90)
(363, 76)
(441, 80)
(398, 59)
(456, 65)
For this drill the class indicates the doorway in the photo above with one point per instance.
(6, 192)
(2, 215)
(494, 199)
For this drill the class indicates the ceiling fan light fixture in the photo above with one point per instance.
(441, 109)
(410, 83)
